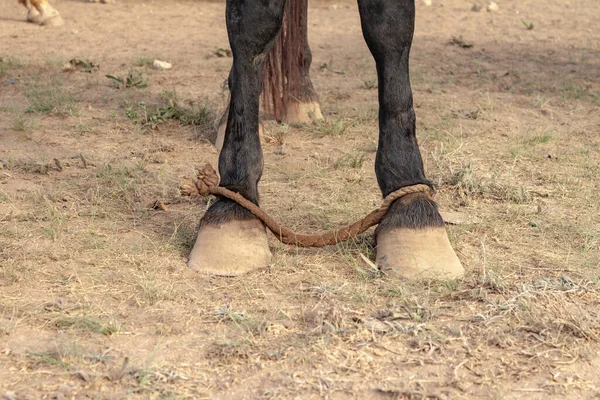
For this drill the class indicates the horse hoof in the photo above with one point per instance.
(302, 113)
(230, 249)
(34, 16)
(54, 21)
(420, 253)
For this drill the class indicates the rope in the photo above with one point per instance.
(208, 182)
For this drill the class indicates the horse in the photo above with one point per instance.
(411, 239)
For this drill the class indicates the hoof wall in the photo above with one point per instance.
(53, 21)
(303, 113)
(34, 16)
(418, 254)
(230, 249)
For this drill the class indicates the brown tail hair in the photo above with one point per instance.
(290, 57)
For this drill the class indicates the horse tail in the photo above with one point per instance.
(287, 63)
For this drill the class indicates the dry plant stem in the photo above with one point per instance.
(208, 181)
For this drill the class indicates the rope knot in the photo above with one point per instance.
(207, 178)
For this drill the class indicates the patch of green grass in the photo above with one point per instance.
(7, 64)
(50, 97)
(515, 151)
(227, 314)
(350, 160)
(49, 358)
(144, 62)
(19, 123)
(54, 61)
(121, 183)
(240, 319)
(540, 138)
(332, 126)
(368, 116)
(469, 186)
(528, 25)
(4, 198)
(130, 80)
(151, 117)
(28, 165)
(83, 128)
(50, 232)
(320, 219)
(132, 113)
(85, 323)
(361, 297)
(575, 92)
(149, 290)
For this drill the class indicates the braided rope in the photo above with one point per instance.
(208, 181)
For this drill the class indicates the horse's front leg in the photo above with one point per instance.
(411, 240)
(231, 241)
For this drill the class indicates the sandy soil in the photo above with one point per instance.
(95, 298)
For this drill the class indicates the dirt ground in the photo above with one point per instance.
(96, 300)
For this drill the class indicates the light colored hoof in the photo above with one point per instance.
(49, 16)
(230, 249)
(34, 16)
(302, 113)
(423, 253)
(54, 21)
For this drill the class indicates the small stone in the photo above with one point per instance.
(161, 65)
(427, 2)
(9, 396)
(492, 7)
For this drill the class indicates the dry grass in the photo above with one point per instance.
(95, 298)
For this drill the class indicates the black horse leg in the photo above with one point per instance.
(231, 241)
(411, 240)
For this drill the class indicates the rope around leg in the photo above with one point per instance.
(208, 182)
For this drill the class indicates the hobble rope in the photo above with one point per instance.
(208, 183)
